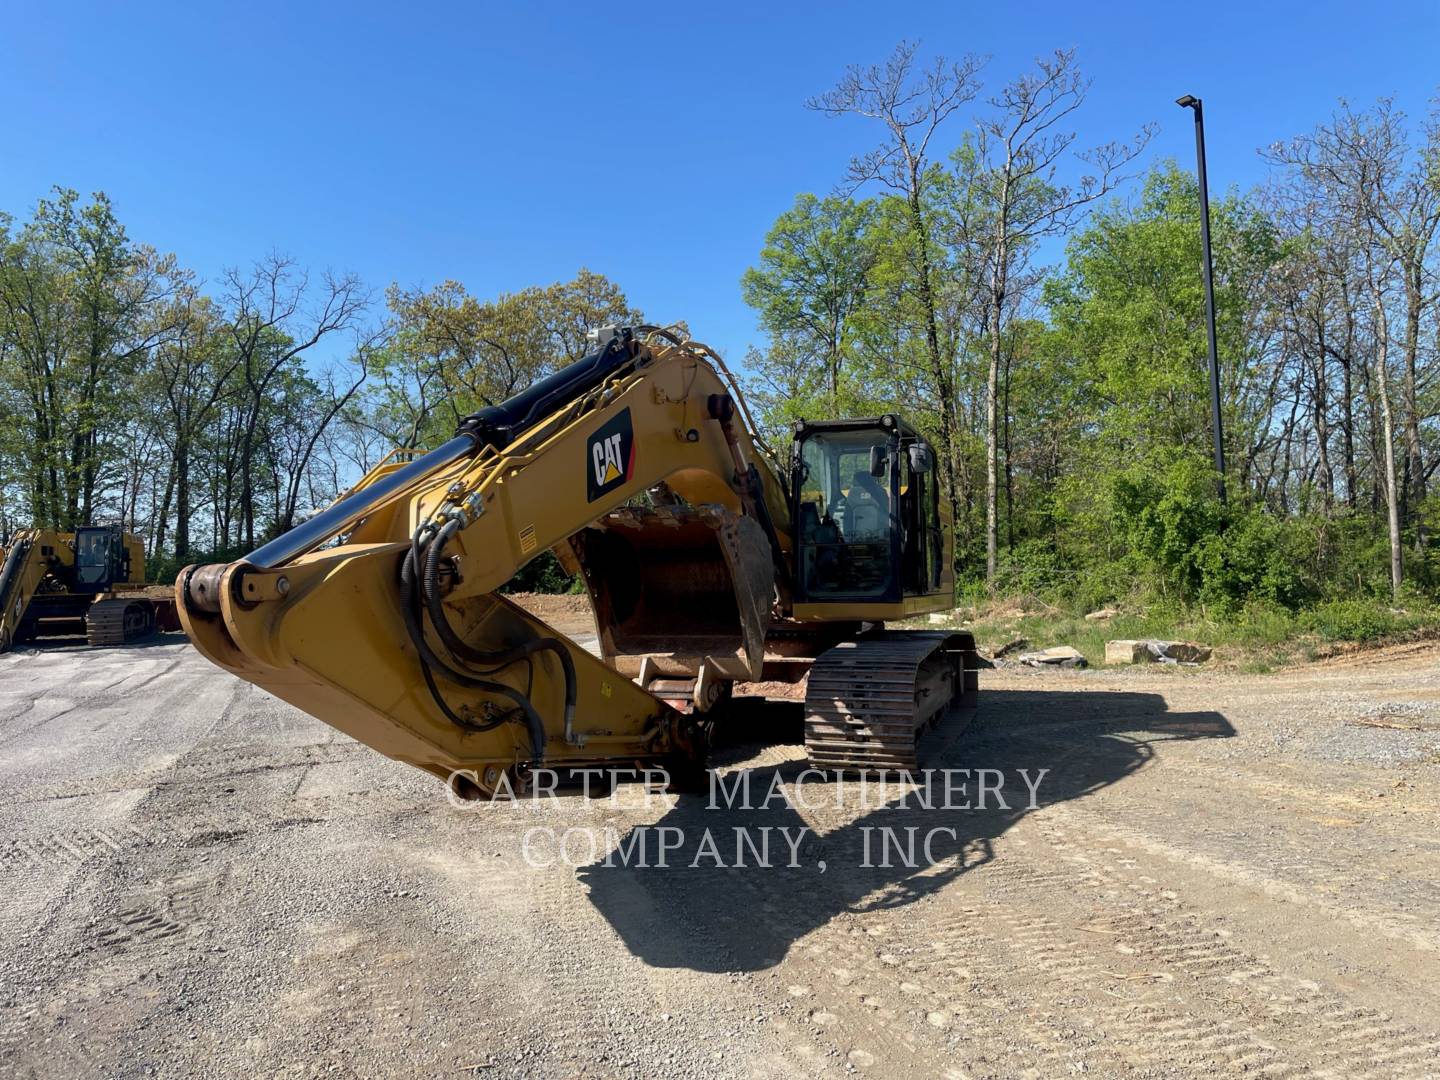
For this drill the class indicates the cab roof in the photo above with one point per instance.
(884, 422)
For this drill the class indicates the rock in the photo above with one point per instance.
(1060, 656)
(1020, 644)
(1127, 652)
(1102, 615)
(1179, 652)
(1153, 650)
(939, 618)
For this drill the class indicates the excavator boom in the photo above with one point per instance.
(382, 615)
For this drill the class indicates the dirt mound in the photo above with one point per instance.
(155, 592)
(570, 613)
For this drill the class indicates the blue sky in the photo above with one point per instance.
(508, 145)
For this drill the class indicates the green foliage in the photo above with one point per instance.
(1031, 568)
(453, 353)
(163, 568)
(811, 282)
(1354, 620)
(543, 574)
(1198, 550)
(1130, 309)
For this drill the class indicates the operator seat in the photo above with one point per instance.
(867, 509)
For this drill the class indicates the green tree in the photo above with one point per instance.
(453, 353)
(1130, 311)
(912, 103)
(810, 284)
(1008, 196)
(74, 296)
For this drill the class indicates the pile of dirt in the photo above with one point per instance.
(570, 613)
(543, 604)
(156, 592)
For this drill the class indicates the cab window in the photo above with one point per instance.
(846, 516)
(922, 545)
(92, 557)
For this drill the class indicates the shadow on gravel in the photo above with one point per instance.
(703, 911)
(79, 644)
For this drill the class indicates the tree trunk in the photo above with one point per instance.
(182, 498)
(1347, 404)
(1392, 494)
(1009, 471)
(162, 516)
(1322, 416)
(932, 342)
(992, 426)
(999, 281)
(1414, 490)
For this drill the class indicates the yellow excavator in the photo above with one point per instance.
(88, 583)
(706, 566)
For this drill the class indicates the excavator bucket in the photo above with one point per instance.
(679, 590)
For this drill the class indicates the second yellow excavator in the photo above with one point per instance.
(706, 564)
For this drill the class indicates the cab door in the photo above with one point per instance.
(96, 559)
(922, 542)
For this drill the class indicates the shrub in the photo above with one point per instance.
(1353, 620)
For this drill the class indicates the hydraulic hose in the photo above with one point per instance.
(430, 590)
(429, 660)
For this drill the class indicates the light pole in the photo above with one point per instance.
(1189, 101)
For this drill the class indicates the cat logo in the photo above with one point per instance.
(611, 455)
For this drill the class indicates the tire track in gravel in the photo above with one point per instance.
(1153, 929)
(193, 767)
(849, 995)
(1303, 874)
(656, 1015)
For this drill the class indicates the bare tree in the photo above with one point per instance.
(1009, 196)
(1376, 187)
(911, 102)
(271, 327)
(338, 394)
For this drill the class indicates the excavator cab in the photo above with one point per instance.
(867, 518)
(100, 559)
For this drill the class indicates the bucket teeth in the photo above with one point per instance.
(868, 701)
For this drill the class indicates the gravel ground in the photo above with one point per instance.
(1224, 874)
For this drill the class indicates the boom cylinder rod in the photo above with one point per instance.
(311, 534)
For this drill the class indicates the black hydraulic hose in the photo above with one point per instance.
(430, 590)
(429, 660)
(427, 656)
